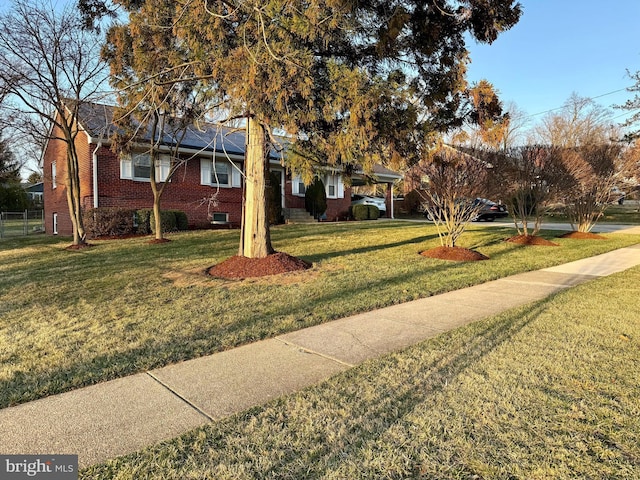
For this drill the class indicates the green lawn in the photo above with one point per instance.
(74, 318)
(546, 391)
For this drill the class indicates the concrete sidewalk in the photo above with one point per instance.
(125, 415)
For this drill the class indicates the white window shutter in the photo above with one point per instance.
(340, 187)
(163, 165)
(295, 181)
(236, 178)
(205, 171)
(126, 168)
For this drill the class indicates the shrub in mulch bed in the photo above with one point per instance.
(583, 236)
(531, 240)
(237, 267)
(457, 254)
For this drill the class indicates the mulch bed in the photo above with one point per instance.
(531, 240)
(457, 254)
(157, 241)
(82, 246)
(237, 267)
(583, 236)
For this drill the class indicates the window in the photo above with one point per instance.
(55, 223)
(54, 174)
(220, 217)
(141, 166)
(138, 167)
(220, 173)
(297, 186)
(334, 186)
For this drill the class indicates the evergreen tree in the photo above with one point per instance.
(353, 83)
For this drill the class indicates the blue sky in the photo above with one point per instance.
(563, 46)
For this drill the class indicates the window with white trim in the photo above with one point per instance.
(138, 167)
(297, 186)
(334, 187)
(54, 175)
(219, 173)
(55, 223)
(219, 217)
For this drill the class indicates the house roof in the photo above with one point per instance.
(97, 120)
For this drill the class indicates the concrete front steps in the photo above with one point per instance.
(298, 215)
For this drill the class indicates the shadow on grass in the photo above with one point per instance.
(313, 433)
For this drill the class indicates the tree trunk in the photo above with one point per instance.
(157, 193)
(255, 241)
(72, 183)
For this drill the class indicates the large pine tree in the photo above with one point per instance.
(353, 83)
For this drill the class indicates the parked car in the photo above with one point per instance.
(357, 199)
(488, 210)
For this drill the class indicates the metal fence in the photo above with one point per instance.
(20, 224)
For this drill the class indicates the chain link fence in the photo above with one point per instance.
(20, 224)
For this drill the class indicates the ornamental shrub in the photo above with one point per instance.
(360, 212)
(373, 213)
(315, 199)
(274, 201)
(109, 222)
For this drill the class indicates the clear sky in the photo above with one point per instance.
(563, 46)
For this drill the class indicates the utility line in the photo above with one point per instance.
(589, 98)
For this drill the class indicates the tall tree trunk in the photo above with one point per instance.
(157, 193)
(72, 183)
(255, 240)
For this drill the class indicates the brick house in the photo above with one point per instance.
(212, 164)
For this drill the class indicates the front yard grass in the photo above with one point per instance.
(545, 391)
(70, 319)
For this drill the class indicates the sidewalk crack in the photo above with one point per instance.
(181, 397)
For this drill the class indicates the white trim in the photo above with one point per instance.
(296, 181)
(55, 224)
(226, 218)
(54, 174)
(94, 159)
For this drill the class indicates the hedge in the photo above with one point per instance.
(109, 222)
(365, 212)
(172, 221)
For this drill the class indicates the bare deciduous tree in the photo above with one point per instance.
(49, 67)
(528, 179)
(581, 121)
(452, 180)
(594, 171)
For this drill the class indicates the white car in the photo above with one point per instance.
(379, 202)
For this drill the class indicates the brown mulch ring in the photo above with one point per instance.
(531, 240)
(82, 246)
(157, 241)
(457, 254)
(583, 236)
(237, 268)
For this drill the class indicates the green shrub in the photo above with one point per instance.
(143, 219)
(182, 222)
(109, 222)
(172, 221)
(315, 199)
(373, 213)
(274, 201)
(167, 220)
(360, 212)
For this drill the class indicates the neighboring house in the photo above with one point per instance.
(34, 193)
(215, 161)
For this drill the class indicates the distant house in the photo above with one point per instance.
(35, 193)
(216, 159)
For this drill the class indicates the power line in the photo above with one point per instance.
(589, 98)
